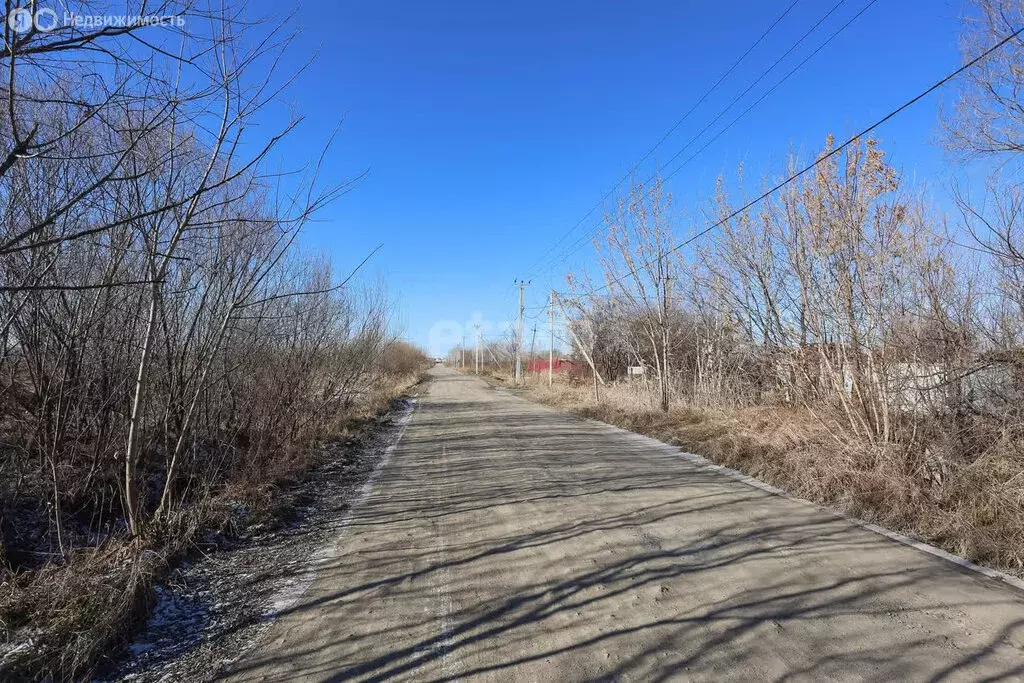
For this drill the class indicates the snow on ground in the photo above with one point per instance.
(211, 610)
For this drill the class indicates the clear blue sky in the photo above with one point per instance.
(489, 128)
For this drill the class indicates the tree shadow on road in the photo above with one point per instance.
(508, 541)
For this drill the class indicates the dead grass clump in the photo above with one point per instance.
(77, 611)
(958, 486)
(985, 501)
(57, 621)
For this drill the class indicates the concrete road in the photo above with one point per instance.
(506, 541)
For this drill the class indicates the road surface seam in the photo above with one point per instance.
(443, 645)
(287, 597)
(701, 461)
(736, 475)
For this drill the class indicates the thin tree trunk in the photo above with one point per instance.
(135, 421)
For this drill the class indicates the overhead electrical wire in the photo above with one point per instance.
(851, 140)
(542, 259)
(768, 92)
(582, 241)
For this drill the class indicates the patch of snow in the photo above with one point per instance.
(216, 607)
(286, 598)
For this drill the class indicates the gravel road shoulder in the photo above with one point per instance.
(214, 608)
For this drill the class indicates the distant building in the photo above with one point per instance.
(561, 365)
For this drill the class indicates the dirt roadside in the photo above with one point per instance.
(212, 609)
(509, 541)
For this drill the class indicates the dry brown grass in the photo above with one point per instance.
(976, 510)
(79, 610)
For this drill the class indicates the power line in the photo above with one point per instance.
(769, 91)
(851, 140)
(580, 243)
(576, 245)
(668, 133)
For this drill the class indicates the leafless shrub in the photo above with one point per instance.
(164, 342)
(844, 339)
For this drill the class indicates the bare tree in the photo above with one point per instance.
(639, 266)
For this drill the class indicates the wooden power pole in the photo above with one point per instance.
(533, 346)
(664, 346)
(551, 342)
(477, 348)
(519, 336)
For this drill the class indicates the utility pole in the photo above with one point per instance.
(519, 337)
(477, 348)
(462, 352)
(533, 346)
(551, 347)
(664, 346)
